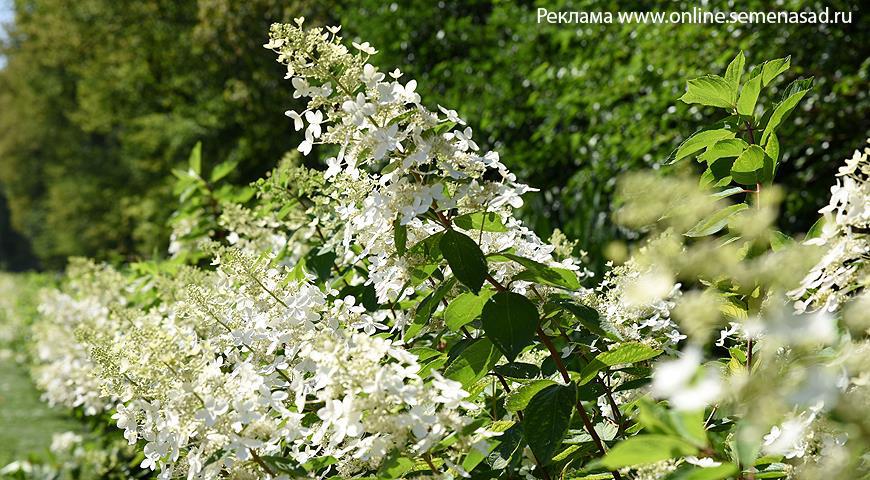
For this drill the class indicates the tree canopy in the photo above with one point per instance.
(100, 100)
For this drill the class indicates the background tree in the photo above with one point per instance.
(99, 100)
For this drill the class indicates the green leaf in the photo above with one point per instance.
(547, 417)
(400, 236)
(720, 472)
(772, 69)
(771, 148)
(552, 276)
(195, 159)
(749, 96)
(395, 466)
(710, 90)
(735, 71)
(749, 168)
(690, 426)
(715, 222)
(443, 128)
(465, 258)
(520, 397)
(645, 449)
(730, 147)
(587, 316)
(699, 141)
(510, 320)
(719, 172)
(792, 95)
(319, 463)
(427, 307)
(486, 221)
(727, 192)
(429, 247)
(816, 230)
(629, 352)
(465, 308)
(223, 169)
(539, 273)
(779, 240)
(518, 370)
(772, 474)
(473, 362)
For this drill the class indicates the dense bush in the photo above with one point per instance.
(390, 317)
(95, 115)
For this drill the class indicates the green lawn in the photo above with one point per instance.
(26, 423)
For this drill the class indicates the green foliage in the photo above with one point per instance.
(101, 113)
(465, 259)
(643, 449)
(570, 107)
(96, 114)
(547, 417)
(510, 320)
(474, 360)
(626, 353)
(465, 308)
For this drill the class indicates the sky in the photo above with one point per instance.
(5, 17)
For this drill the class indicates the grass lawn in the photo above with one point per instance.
(26, 423)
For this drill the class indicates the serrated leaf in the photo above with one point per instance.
(629, 352)
(749, 168)
(735, 70)
(465, 258)
(518, 370)
(473, 362)
(772, 69)
(727, 192)
(195, 159)
(710, 90)
(715, 222)
(443, 128)
(779, 240)
(587, 316)
(730, 147)
(510, 320)
(713, 176)
(771, 148)
(429, 247)
(486, 221)
(520, 397)
(427, 307)
(552, 276)
(690, 426)
(720, 472)
(539, 273)
(395, 466)
(791, 97)
(547, 418)
(699, 141)
(645, 449)
(816, 230)
(749, 96)
(465, 308)
(223, 169)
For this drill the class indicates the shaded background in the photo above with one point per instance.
(100, 99)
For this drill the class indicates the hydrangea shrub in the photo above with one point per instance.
(390, 317)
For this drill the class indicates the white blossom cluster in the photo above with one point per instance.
(250, 365)
(635, 303)
(372, 120)
(64, 370)
(845, 236)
